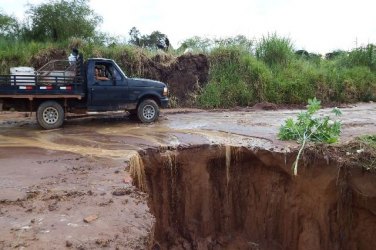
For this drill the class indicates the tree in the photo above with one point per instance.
(196, 43)
(238, 40)
(156, 40)
(135, 35)
(60, 20)
(9, 26)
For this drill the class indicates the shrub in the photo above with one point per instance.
(310, 128)
(295, 83)
(236, 78)
(363, 56)
(274, 50)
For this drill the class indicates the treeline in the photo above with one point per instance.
(61, 20)
(242, 71)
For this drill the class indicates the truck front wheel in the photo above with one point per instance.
(50, 115)
(148, 111)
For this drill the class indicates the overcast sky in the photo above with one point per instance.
(315, 25)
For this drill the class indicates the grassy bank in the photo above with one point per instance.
(274, 73)
(269, 70)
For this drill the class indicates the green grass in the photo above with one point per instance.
(237, 78)
(274, 50)
(363, 152)
(369, 140)
(242, 72)
(273, 73)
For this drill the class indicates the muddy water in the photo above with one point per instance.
(116, 136)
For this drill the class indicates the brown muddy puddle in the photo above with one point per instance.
(109, 137)
(215, 180)
(114, 136)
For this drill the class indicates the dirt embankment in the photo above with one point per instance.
(185, 75)
(214, 197)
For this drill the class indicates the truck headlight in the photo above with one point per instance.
(165, 91)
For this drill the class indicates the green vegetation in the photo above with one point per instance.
(361, 152)
(236, 78)
(153, 41)
(369, 140)
(368, 149)
(242, 71)
(281, 76)
(310, 128)
(60, 20)
(274, 51)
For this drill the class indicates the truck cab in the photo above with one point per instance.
(110, 89)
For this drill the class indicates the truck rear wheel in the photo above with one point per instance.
(50, 115)
(148, 111)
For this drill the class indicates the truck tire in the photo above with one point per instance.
(148, 111)
(50, 115)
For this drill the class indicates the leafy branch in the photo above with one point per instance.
(310, 128)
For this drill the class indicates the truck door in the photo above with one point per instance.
(109, 90)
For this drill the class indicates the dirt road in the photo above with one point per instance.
(71, 187)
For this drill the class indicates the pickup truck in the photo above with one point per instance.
(96, 85)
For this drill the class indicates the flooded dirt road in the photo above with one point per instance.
(71, 187)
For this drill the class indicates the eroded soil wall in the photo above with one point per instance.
(214, 197)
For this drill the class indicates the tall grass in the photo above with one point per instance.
(20, 53)
(294, 83)
(362, 56)
(236, 79)
(242, 72)
(274, 50)
(274, 74)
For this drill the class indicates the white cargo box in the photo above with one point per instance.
(23, 75)
(22, 71)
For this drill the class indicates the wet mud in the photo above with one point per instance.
(221, 197)
(59, 200)
(193, 180)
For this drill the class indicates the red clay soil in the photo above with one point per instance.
(184, 75)
(213, 197)
(202, 196)
(59, 200)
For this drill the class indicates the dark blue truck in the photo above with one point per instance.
(96, 85)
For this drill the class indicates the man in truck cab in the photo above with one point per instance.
(99, 75)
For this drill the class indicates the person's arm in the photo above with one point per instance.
(102, 78)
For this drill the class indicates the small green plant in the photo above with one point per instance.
(367, 151)
(310, 128)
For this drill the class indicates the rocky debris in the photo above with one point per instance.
(68, 243)
(103, 242)
(106, 203)
(90, 218)
(265, 106)
(122, 191)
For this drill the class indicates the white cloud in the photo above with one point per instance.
(317, 26)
